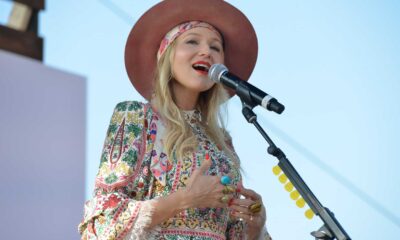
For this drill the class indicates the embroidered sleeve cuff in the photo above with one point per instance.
(140, 229)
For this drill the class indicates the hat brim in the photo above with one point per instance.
(240, 39)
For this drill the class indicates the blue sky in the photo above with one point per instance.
(334, 64)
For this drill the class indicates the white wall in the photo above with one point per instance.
(42, 150)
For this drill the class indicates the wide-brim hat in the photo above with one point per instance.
(240, 40)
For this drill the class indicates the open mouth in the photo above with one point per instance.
(201, 67)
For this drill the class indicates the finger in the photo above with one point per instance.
(231, 175)
(225, 180)
(242, 202)
(248, 205)
(228, 197)
(228, 189)
(253, 219)
(256, 207)
(242, 209)
(248, 193)
(242, 215)
(205, 165)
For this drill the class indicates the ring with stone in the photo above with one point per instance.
(225, 180)
(225, 198)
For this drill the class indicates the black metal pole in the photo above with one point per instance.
(331, 229)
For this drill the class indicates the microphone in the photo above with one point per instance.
(247, 92)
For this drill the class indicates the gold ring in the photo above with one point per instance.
(255, 207)
(228, 189)
(225, 198)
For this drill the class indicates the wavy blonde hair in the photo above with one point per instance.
(179, 138)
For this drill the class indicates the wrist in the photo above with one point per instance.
(183, 199)
(254, 234)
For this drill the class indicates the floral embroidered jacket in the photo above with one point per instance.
(134, 171)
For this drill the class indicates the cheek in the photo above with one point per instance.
(178, 56)
(182, 53)
(219, 58)
(177, 70)
(180, 59)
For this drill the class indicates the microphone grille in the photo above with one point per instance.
(215, 72)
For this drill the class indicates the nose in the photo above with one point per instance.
(204, 50)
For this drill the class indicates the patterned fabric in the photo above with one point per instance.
(178, 30)
(134, 172)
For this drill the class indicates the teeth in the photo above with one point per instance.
(201, 66)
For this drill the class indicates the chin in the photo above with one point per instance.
(203, 88)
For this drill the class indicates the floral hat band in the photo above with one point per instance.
(179, 30)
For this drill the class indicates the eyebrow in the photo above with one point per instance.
(197, 34)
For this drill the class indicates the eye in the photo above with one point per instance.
(216, 48)
(191, 41)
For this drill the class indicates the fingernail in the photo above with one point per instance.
(238, 189)
(230, 202)
(207, 156)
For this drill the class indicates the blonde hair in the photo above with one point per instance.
(179, 138)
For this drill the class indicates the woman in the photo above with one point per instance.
(168, 169)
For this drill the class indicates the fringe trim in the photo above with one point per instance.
(140, 229)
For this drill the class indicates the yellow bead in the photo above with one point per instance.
(276, 170)
(294, 195)
(300, 202)
(289, 186)
(282, 178)
(309, 214)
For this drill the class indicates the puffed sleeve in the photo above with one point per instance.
(117, 208)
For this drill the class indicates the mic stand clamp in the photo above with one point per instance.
(331, 229)
(322, 233)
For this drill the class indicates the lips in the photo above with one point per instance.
(201, 67)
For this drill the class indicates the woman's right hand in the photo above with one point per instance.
(204, 191)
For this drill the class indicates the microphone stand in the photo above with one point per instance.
(331, 229)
